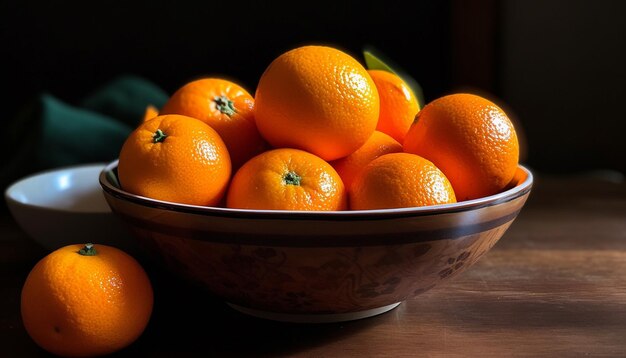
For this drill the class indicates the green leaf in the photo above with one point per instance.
(374, 63)
(374, 60)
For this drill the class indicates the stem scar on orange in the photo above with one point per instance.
(227, 108)
(175, 158)
(470, 139)
(317, 99)
(287, 179)
(86, 300)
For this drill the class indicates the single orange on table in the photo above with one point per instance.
(470, 139)
(86, 300)
(286, 179)
(398, 104)
(226, 107)
(378, 144)
(317, 99)
(175, 158)
(399, 180)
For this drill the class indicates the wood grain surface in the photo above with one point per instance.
(555, 285)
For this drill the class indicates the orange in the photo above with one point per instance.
(470, 139)
(518, 178)
(318, 99)
(83, 300)
(398, 104)
(287, 179)
(400, 180)
(378, 144)
(175, 158)
(151, 112)
(227, 108)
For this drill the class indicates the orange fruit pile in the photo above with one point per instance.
(321, 132)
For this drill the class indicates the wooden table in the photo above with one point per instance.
(555, 285)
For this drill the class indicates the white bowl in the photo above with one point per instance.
(66, 206)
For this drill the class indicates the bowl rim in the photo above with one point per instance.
(519, 190)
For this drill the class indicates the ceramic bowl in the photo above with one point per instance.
(66, 206)
(317, 266)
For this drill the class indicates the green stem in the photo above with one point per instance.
(291, 178)
(88, 250)
(159, 136)
(225, 105)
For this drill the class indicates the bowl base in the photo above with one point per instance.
(313, 318)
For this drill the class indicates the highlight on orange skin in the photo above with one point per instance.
(175, 158)
(470, 139)
(317, 99)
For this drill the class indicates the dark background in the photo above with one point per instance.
(557, 67)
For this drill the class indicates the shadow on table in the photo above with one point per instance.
(188, 321)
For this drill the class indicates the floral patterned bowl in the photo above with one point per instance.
(317, 266)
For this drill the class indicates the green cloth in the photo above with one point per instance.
(49, 133)
(125, 99)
